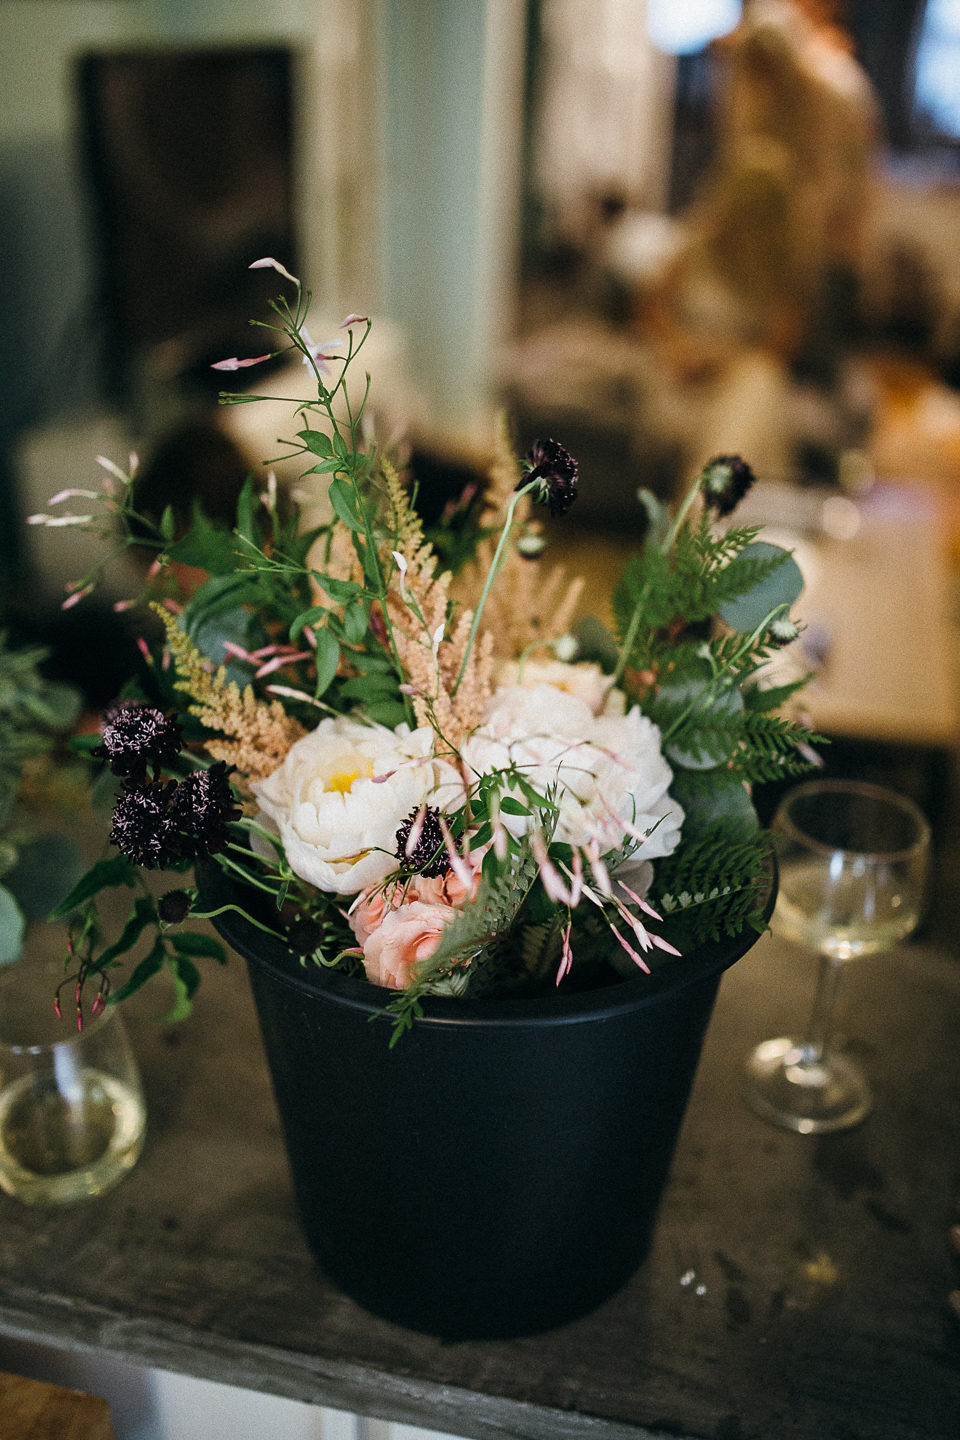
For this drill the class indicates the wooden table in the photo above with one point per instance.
(796, 1289)
(33, 1410)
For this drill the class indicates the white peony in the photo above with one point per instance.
(585, 680)
(342, 792)
(602, 764)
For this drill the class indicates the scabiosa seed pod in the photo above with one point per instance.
(782, 632)
(428, 854)
(724, 482)
(135, 736)
(174, 907)
(201, 808)
(556, 469)
(304, 936)
(142, 827)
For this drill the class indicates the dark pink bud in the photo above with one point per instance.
(97, 1005)
(56, 1008)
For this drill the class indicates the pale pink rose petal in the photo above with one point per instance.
(406, 936)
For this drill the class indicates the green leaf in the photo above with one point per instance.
(327, 661)
(191, 942)
(57, 705)
(12, 926)
(595, 642)
(46, 871)
(369, 688)
(317, 442)
(356, 621)
(344, 504)
(101, 876)
(148, 967)
(144, 914)
(390, 713)
(326, 467)
(168, 524)
(307, 617)
(186, 978)
(207, 547)
(771, 697)
(246, 525)
(509, 806)
(83, 744)
(339, 590)
(711, 795)
(781, 585)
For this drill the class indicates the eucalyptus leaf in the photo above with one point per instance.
(782, 586)
(710, 795)
(46, 871)
(12, 927)
(709, 719)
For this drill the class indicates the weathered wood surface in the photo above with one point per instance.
(32, 1410)
(816, 1310)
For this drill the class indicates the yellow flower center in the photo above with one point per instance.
(343, 782)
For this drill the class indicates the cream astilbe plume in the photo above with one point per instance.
(418, 609)
(259, 734)
(528, 605)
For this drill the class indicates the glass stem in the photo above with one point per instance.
(821, 1017)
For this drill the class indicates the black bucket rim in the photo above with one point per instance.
(320, 982)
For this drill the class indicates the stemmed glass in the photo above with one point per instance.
(853, 864)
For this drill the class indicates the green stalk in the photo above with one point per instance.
(495, 567)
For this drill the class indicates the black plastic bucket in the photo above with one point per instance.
(498, 1172)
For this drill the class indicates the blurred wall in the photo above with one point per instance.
(409, 134)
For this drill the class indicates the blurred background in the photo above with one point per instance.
(657, 231)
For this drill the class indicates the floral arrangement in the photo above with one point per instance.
(394, 743)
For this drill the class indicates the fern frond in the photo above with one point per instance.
(714, 884)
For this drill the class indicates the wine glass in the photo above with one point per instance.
(853, 863)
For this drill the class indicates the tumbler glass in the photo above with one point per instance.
(72, 1116)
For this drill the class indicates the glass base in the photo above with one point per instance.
(809, 1098)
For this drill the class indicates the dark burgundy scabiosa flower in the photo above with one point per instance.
(428, 854)
(556, 469)
(135, 736)
(724, 482)
(201, 807)
(174, 907)
(304, 936)
(143, 829)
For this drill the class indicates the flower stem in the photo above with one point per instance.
(492, 574)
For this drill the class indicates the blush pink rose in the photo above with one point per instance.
(366, 915)
(406, 935)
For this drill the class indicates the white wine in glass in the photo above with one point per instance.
(853, 862)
